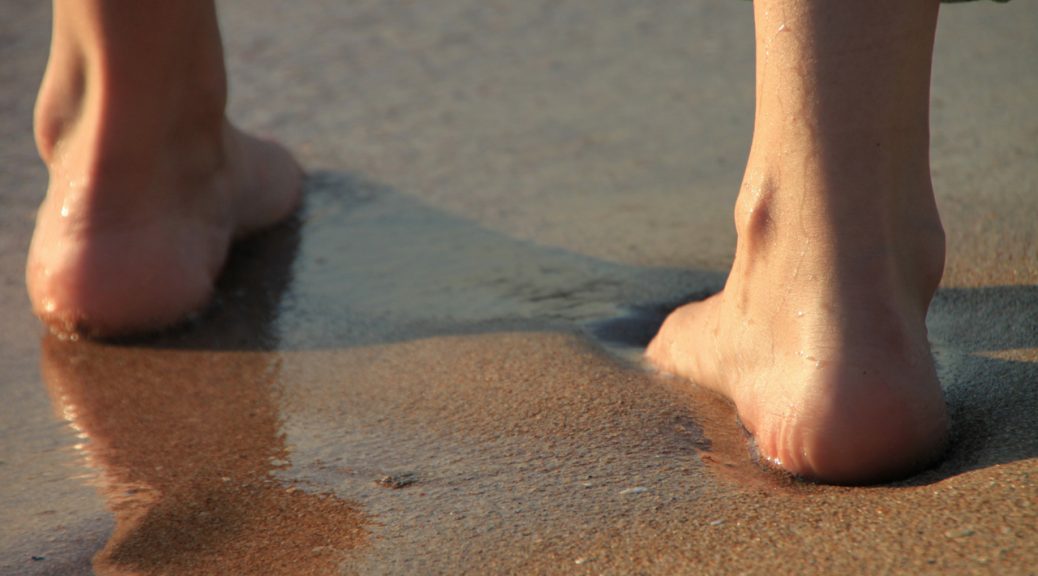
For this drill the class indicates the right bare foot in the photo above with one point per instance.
(149, 183)
(819, 340)
(819, 337)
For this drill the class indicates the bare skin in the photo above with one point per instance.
(149, 182)
(819, 336)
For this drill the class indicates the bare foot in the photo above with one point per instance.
(819, 337)
(104, 265)
(149, 184)
(819, 340)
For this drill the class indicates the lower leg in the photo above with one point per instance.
(819, 336)
(149, 183)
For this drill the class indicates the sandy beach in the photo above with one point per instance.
(434, 367)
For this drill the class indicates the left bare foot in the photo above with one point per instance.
(149, 182)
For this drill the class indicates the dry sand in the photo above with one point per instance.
(433, 369)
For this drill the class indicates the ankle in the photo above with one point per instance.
(816, 224)
(127, 91)
(105, 140)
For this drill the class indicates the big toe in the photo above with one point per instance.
(679, 346)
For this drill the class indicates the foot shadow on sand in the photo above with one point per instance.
(985, 341)
(362, 264)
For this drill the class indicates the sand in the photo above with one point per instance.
(434, 368)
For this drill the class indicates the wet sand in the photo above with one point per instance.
(433, 369)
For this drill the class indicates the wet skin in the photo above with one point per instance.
(149, 183)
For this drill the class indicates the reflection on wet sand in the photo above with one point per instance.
(186, 437)
(186, 448)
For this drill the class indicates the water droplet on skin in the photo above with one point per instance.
(800, 313)
(49, 305)
(73, 184)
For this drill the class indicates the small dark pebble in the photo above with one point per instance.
(38, 558)
(397, 481)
